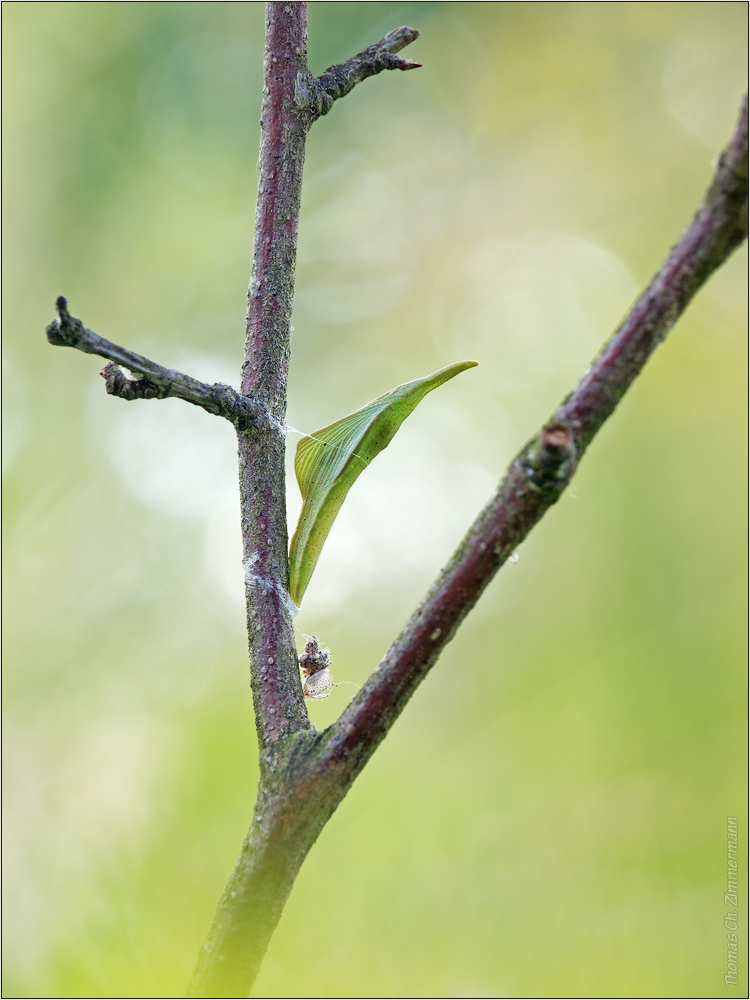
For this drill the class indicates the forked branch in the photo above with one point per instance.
(153, 381)
(340, 80)
(304, 774)
(297, 799)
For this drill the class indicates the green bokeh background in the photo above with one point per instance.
(548, 818)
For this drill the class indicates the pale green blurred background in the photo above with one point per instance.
(548, 818)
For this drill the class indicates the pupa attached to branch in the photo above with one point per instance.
(316, 676)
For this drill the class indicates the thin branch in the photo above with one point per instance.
(155, 381)
(543, 468)
(292, 100)
(340, 80)
(277, 692)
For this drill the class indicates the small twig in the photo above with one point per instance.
(339, 80)
(154, 381)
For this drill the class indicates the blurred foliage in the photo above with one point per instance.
(548, 818)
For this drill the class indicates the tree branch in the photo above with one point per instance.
(292, 100)
(279, 704)
(340, 80)
(543, 468)
(155, 381)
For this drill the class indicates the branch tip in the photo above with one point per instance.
(66, 330)
(399, 38)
